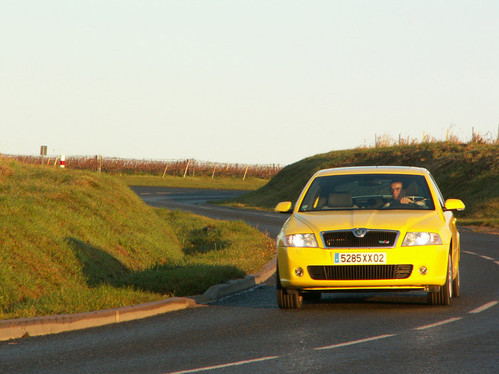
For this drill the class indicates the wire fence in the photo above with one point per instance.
(181, 168)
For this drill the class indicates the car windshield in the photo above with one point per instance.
(368, 191)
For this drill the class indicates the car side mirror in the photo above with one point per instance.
(284, 207)
(454, 204)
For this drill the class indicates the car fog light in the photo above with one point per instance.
(299, 272)
(423, 270)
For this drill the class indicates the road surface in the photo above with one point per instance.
(248, 333)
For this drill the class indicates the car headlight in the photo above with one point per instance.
(421, 238)
(300, 240)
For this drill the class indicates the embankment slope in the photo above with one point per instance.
(469, 172)
(73, 241)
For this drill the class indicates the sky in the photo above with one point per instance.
(256, 82)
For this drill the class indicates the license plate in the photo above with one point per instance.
(360, 258)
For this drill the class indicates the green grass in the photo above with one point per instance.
(77, 241)
(194, 182)
(469, 172)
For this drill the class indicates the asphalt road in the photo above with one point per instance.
(247, 333)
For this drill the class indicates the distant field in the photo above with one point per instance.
(74, 241)
(469, 172)
(249, 184)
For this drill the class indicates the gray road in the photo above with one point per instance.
(247, 333)
(195, 200)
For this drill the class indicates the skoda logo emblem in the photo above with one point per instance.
(359, 233)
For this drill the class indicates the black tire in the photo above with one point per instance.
(444, 296)
(287, 299)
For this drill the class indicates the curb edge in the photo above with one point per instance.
(26, 327)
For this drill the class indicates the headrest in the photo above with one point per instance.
(340, 200)
(412, 189)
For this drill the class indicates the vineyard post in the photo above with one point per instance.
(98, 159)
(166, 169)
(56, 159)
(186, 167)
(213, 174)
(247, 167)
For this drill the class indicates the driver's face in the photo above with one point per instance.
(396, 188)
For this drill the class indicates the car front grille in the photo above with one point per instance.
(371, 239)
(359, 272)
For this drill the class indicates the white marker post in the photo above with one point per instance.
(43, 152)
(63, 161)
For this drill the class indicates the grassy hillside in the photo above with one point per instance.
(75, 241)
(465, 171)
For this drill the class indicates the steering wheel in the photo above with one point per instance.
(415, 198)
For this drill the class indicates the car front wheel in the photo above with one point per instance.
(444, 296)
(287, 299)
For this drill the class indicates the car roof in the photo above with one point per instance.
(374, 170)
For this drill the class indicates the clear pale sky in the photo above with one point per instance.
(243, 81)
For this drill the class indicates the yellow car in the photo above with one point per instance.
(369, 228)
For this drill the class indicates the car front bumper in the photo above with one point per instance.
(293, 263)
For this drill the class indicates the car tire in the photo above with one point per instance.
(287, 299)
(444, 296)
(456, 284)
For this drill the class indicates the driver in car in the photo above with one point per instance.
(398, 193)
(399, 196)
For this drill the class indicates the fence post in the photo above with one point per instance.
(213, 174)
(186, 167)
(247, 167)
(166, 168)
(99, 167)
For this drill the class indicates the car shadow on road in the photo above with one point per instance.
(264, 297)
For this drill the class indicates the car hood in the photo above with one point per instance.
(400, 220)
